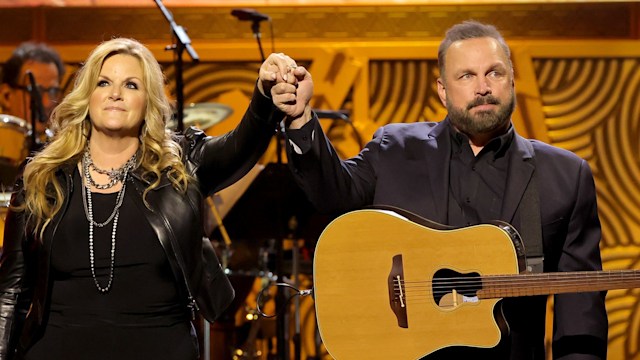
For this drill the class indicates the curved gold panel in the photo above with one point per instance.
(401, 91)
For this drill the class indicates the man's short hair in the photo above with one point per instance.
(469, 30)
(30, 51)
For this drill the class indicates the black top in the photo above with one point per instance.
(477, 182)
(141, 315)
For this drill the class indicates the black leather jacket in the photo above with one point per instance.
(176, 218)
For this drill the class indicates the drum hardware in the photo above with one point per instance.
(14, 147)
(226, 252)
(271, 224)
(15, 134)
(5, 198)
(249, 350)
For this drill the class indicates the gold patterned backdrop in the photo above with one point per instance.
(577, 83)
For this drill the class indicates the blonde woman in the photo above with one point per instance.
(103, 250)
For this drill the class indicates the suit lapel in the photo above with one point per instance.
(519, 175)
(438, 153)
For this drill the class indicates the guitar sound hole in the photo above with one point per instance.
(459, 287)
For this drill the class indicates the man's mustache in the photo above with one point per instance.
(489, 99)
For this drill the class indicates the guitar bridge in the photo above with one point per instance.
(397, 294)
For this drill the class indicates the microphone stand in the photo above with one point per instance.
(255, 28)
(282, 328)
(35, 117)
(37, 111)
(183, 43)
(281, 301)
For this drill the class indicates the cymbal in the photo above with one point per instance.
(203, 115)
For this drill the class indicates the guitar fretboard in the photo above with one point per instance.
(498, 286)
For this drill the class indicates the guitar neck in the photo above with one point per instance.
(500, 286)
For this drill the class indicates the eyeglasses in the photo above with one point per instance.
(53, 92)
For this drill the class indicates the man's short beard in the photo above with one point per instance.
(484, 122)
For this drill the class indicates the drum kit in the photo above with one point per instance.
(272, 230)
(14, 147)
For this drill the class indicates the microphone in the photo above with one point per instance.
(249, 15)
(37, 108)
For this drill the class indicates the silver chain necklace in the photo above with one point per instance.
(115, 214)
(115, 175)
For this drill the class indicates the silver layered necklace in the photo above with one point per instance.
(115, 176)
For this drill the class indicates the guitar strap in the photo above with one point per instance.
(530, 223)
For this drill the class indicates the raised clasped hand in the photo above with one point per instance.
(290, 86)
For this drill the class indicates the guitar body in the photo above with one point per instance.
(353, 276)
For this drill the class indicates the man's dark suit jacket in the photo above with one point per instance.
(407, 166)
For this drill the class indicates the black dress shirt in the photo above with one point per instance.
(477, 182)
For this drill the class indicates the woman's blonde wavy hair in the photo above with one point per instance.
(70, 121)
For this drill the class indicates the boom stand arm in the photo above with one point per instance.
(183, 43)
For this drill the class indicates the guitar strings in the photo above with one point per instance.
(517, 285)
(504, 284)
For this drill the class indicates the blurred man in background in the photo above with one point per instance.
(30, 89)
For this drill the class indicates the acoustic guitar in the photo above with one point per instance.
(387, 287)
